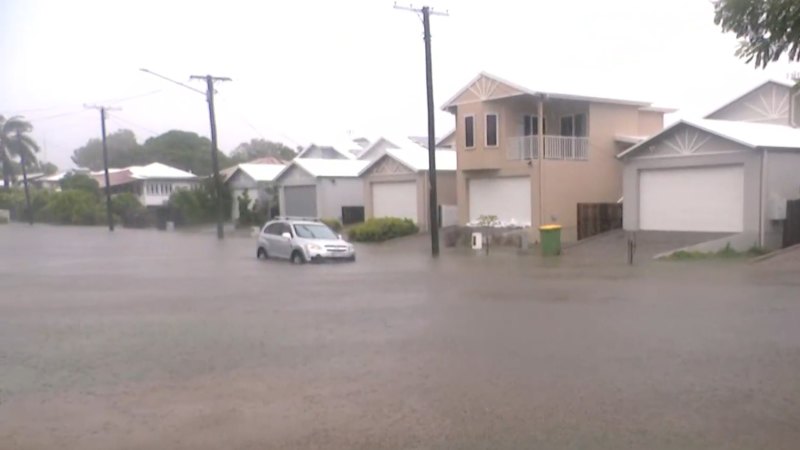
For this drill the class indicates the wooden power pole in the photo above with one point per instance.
(103, 110)
(433, 214)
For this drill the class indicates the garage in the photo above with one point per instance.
(692, 199)
(300, 201)
(395, 199)
(507, 198)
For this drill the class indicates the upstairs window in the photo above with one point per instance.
(567, 126)
(530, 125)
(580, 125)
(491, 130)
(469, 131)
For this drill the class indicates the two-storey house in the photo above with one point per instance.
(529, 156)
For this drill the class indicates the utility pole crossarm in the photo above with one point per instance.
(412, 8)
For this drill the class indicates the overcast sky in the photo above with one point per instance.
(309, 71)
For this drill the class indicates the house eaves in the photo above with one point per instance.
(545, 93)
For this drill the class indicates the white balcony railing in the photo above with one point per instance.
(555, 147)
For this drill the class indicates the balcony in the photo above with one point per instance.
(566, 148)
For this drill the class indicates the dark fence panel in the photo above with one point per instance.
(352, 214)
(791, 227)
(596, 218)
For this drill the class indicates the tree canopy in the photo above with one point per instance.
(182, 149)
(767, 29)
(16, 144)
(123, 151)
(260, 148)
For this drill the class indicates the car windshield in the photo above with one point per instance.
(314, 231)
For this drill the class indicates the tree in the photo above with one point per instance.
(184, 150)
(123, 151)
(48, 168)
(767, 29)
(16, 143)
(80, 182)
(260, 148)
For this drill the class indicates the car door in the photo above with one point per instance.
(271, 239)
(280, 245)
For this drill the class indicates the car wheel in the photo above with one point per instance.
(261, 253)
(298, 258)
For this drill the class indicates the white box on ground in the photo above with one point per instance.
(477, 241)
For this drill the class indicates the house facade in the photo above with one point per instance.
(731, 172)
(258, 180)
(397, 185)
(153, 184)
(326, 188)
(529, 157)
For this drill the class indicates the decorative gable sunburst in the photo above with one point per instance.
(687, 142)
(484, 88)
(771, 104)
(389, 166)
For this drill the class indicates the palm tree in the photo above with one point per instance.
(16, 143)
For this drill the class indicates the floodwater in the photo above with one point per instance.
(146, 339)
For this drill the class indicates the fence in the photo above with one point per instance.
(596, 218)
(352, 214)
(791, 227)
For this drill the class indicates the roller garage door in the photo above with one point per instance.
(507, 198)
(396, 199)
(692, 199)
(301, 201)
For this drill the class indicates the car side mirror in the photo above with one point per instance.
(286, 235)
(340, 236)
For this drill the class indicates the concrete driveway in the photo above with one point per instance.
(612, 247)
(145, 339)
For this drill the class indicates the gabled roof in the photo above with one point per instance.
(778, 82)
(157, 170)
(445, 137)
(396, 141)
(749, 134)
(417, 159)
(327, 168)
(260, 172)
(549, 91)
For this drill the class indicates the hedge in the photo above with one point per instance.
(333, 224)
(382, 229)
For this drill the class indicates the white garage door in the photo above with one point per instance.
(395, 200)
(507, 198)
(693, 199)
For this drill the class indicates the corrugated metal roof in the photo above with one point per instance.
(262, 172)
(158, 170)
(749, 134)
(330, 168)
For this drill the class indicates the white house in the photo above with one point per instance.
(153, 183)
(396, 184)
(256, 179)
(328, 188)
(730, 172)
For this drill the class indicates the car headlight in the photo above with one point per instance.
(313, 247)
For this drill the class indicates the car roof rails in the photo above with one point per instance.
(299, 218)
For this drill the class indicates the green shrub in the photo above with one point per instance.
(81, 182)
(130, 211)
(382, 229)
(198, 206)
(333, 224)
(73, 207)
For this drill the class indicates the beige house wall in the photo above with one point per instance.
(564, 183)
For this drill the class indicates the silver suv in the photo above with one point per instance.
(302, 240)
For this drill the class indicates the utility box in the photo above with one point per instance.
(477, 241)
(550, 238)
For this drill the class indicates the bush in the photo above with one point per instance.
(130, 211)
(382, 229)
(81, 182)
(73, 207)
(333, 224)
(198, 206)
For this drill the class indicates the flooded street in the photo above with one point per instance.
(146, 339)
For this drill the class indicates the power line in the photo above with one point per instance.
(117, 118)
